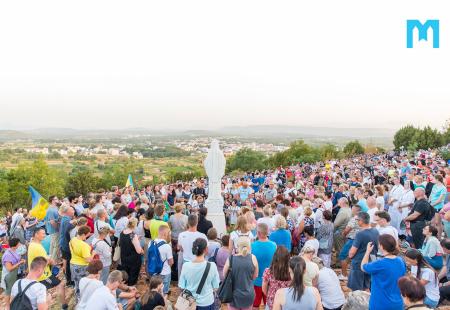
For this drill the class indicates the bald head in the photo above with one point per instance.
(371, 202)
(419, 193)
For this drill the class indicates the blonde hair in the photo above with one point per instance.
(308, 211)
(132, 223)
(280, 222)
(306, 203)
(82, 221)
(242, 224)
(267, 210)
(243, 245)
(307, 249)
(179, 207)
(91, 203)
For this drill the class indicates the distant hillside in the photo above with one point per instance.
(310, 131)
(10, 135)
(259, 134)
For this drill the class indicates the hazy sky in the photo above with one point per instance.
(208, 64)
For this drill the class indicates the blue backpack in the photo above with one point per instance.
(154, 262)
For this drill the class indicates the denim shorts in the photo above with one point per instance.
(430, 303)
(343, 255)
(166, 282)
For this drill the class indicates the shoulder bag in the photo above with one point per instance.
(226, 287)
(186, 300)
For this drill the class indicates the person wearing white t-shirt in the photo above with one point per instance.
(186, 239)
(165, 252)
(37, 292)
(100, 223)
(311, 241)
(267, 219)
(372, 205)
(104, 250)
(329, 286)
(89, 284)
(421, 270)
(104, 297)
(328, 204)
(382, 218)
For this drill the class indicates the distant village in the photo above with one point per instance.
(193, 146)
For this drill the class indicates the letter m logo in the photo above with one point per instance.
(422, 30)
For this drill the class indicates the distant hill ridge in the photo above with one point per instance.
(244, 131)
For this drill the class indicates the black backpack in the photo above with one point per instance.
(431, 212)
(212, 259)
(21, 301)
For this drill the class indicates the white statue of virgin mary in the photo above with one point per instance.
(215, 169)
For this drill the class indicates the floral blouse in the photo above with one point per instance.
(274, 286)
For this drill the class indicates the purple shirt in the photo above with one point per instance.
(11, 257)
(221, 259)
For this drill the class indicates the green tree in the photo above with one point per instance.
(46, 180)
(329, 151)
(403, 137)
(117, 174)
(427, 138)
(4, 194)
(446, 133)
(247, 160)
(353, 148)
(82, 183)
(298, 152)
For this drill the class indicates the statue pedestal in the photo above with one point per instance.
(218, 221)
(216, 215)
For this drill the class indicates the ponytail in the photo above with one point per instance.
(421, 262)
(298, 266)
(243, 245)
(199, 246)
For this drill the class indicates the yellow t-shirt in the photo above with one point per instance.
(35, 250)
(154, 227)
(79, 250)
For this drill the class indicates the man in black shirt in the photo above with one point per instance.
(203, 224)
(199, 190)
(417, 217)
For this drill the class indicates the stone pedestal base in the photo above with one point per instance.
(218, 221)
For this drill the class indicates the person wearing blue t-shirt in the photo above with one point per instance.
(438, 193)
(244, 191)
(255, 184)
(357, 279)
(51, 221)
(263, 249)
(384, 274)
(281, 236)
(362, 203)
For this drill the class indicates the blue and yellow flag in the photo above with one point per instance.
(39, 205)
(129, 182)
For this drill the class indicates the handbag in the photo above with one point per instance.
(186, 300)
(116, 257)
(225, 291)
(323, 244)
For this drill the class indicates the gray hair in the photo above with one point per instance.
(364, 216)
(115, 276)
(344, 200)
(101, 212)
(357, 300)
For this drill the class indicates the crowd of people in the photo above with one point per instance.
(376, 224)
